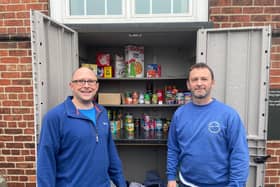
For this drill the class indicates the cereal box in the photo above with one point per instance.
(120, 67)
(134, 59)
(102, 59)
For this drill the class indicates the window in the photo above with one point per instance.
(95, 7)
(128, 11)
(161, 7)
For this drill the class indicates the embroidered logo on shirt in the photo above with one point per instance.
(214, 127)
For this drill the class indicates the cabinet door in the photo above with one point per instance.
(54, 57)
(240, 58)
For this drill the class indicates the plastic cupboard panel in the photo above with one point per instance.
(54, 57)
(240, 58)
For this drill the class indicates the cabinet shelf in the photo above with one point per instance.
(144, 78)
(141, 137)
(144, 105)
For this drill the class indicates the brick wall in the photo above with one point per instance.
(236, 13)
(17, 136)
(272, 178)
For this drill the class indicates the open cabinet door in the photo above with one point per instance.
(240, 58)
(54, 57)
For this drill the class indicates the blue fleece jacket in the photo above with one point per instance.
(208, 145)
(73, 152)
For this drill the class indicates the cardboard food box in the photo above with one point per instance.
(109, 98)
(108, 72)
(134, 59)
(93, 67)
(103, 59)
(120, 67)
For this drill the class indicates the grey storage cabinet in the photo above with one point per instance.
(240, 58)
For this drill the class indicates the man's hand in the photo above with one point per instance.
(171, 184)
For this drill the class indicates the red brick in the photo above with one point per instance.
(29, 145)
(264, 2)
(10, 75)
(23, 14)
(21, 82)
(274, 86)
(273, 165)
(219, 18)
(13, 131)
(26, 45)
(24, 165)
(9, 60)
(219, 2)
(4, 53)
(226, 25)
(275, 57)
(270, 172)
(22, 138)
(215, 11)
(242, 2)
(13, 22)
(7, 165)
(16, 172)
(274, 72)
(272, 10)
(239, 18)
(253, 10)
(12, 30)
(275, 18)
(231, 10)
(16, 7)
(261, 18)
(274, 180)
(17, 52)
(7, 45)
(5, 82)
(7, 15)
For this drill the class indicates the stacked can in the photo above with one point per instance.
(129, 125)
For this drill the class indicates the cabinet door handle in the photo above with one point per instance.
(261, 159)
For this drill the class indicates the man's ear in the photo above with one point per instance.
(187, 84)
(213, 82)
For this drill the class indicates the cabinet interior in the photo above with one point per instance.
(173, 46)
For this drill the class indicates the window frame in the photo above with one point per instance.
(198, 12)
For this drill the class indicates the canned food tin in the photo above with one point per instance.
(147, 98)
(113, 126)
(159, 125)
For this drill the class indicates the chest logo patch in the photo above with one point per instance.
(214, 127)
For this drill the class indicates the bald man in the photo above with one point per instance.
(76, 146)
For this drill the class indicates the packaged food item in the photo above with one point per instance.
(120, 67)
(160, 96)
(129, 125)
(180, 98)
(134, 59)
(135, 97)
(113, 126)
(108, 72)
(93, 67)
(103, 59)
(100, 71)
(188, 96)
(153, 70)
